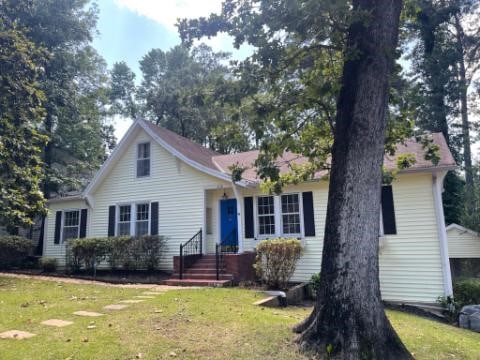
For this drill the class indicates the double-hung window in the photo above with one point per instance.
(133, 219)
(124, 220)
(71, 224)
(142, 217)
(290, 204)
(266, 215)
(143, 159)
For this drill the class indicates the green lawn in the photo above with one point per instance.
(192, 324)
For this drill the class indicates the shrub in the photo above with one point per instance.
(314, 285)
(14, 250)
(48, 264)
(276, 261)
(117, 253)
(131, 253)
(467, 291)
(86, 252)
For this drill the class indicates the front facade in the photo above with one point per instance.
(156, 182)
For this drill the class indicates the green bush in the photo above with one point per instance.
(128, 252)
(86, 252)
(48, 264)
(14, 250)
(467, 291)
(276, 261)
(314, 285)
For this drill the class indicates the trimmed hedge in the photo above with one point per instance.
(48, 264)
(276, 261)
(127, 252)
(14, 250)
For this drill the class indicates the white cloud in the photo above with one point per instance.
(166, 12)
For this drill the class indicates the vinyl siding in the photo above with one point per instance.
(410, 262)
(58, 250)
(178, 188)
(410, 266)
(463, 244)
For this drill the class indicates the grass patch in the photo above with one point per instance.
(193, 324)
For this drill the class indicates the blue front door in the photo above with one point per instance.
(228, 225)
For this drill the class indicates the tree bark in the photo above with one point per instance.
(467, 155)
(349, 321)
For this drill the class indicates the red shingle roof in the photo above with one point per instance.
(218, 162)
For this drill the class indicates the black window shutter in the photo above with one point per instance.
(58, 226)
(308, 214)
(83, 223)
(249, 221)
(111, 220)
(154, 220)
(388, 211)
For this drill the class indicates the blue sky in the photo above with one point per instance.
(128, 29)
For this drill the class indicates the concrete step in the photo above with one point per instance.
(196, 282)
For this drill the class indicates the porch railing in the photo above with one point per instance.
(192, 248)
(218, 259)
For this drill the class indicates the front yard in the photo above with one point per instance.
(180, 323)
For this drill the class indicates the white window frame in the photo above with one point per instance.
(257, 218)
(277, 211)
(62, 237)
(300, 214)
(133, 216)
(149, 160)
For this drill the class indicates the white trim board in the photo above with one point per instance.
(461, 228)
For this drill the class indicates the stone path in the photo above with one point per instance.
(57, 322)
(131, 301)
(87, 313)
(16, 334)
(115, 307)
(151, 293)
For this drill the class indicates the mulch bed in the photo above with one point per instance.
(108, 276)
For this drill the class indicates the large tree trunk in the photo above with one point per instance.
(467, 155)
(349, 321)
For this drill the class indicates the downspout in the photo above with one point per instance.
(239, 198)
(442, 232)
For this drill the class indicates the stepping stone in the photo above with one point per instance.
(16, 334)
(145, 297)
(151, 293)
(87, 313)
(57, 323)
(115, 307)
(131, 301)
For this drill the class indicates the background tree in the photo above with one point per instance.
(21, 113)
(445, 59)
(308, 54)
(73, 81)
(189, 91)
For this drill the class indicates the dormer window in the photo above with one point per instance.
(143, 160)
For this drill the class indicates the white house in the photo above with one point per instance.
(463, 243)
(157, 182)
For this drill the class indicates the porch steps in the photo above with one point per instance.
(202, 273)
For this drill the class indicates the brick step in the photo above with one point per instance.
(193, 270)
(204, 276)
(196, 282)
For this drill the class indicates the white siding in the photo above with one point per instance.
(178, 188)
(410, 266)
(58, 250)
(463, 244)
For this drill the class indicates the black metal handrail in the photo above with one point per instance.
(191, 247)
(229, 244)
(218, 259)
